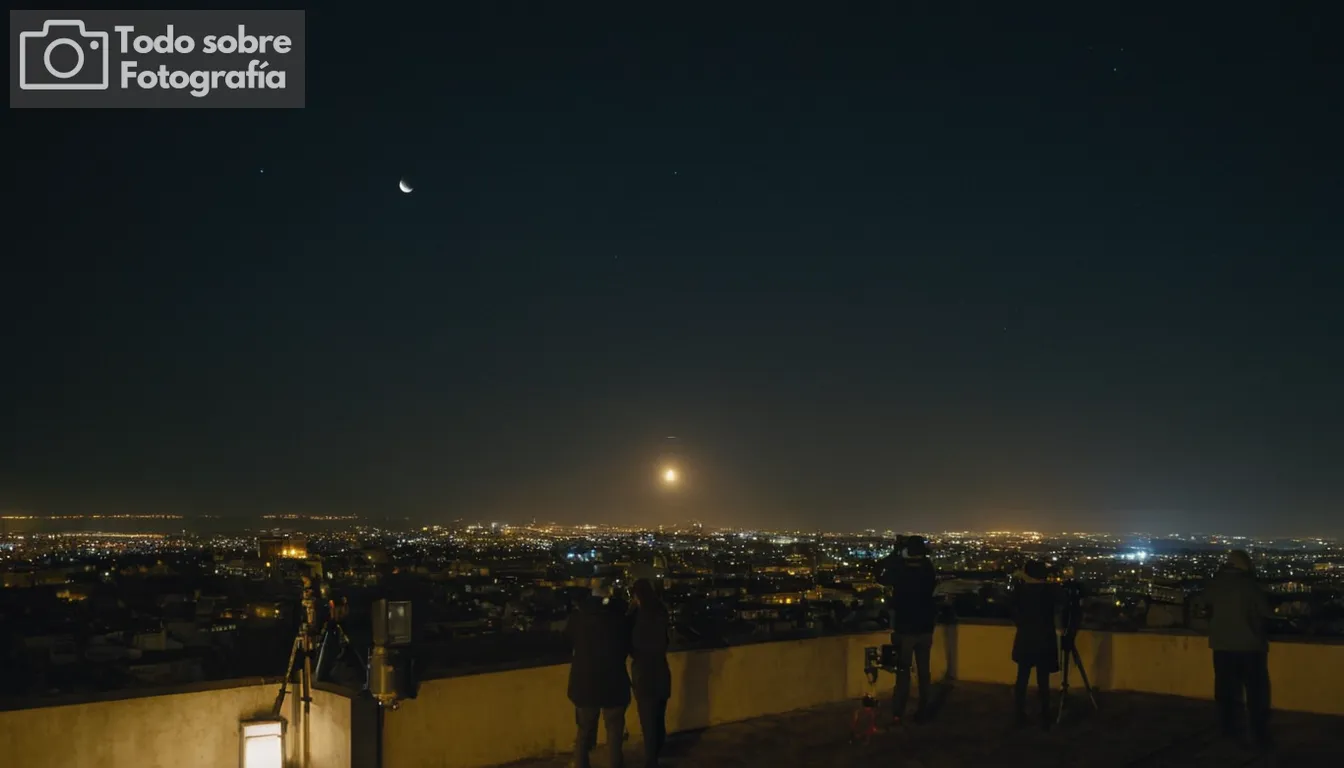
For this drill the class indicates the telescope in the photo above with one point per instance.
(391, 669)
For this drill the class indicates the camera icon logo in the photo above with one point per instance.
(44, 58)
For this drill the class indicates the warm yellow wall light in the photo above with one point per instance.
(263, 744)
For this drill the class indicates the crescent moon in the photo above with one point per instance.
(404, 186)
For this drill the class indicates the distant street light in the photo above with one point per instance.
(670, 476)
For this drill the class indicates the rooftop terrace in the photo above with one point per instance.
(974, 727)
(784, 704)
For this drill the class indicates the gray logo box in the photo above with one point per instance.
(99, 59)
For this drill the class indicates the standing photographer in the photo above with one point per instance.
(650, 675)
(599, 685)
(1240, 645)
(912, 579)
(1035, 644)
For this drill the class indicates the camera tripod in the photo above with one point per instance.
(864, 725)
(301, 658)
(1068, 652)
(333, 629)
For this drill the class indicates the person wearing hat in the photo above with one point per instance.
(912, 579)
(1238, 609)
(1036, 642)
(599, 685)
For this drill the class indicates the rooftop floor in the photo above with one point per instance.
(972, 726)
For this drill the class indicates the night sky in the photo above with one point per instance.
(928, 270)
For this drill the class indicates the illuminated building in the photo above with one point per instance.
(287, 547)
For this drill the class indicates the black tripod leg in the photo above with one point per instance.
(1063, 693)
(1078, 660)
(284, 684)
(1063, 685)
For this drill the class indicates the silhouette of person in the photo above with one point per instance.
(650, 676)
(1036, 642)
(1238, 609)
(599, 686)
(912, 579)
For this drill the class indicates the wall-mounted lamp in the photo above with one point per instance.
(262, 744)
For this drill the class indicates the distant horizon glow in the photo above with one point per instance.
(30, 522)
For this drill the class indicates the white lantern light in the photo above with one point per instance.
(263, 744)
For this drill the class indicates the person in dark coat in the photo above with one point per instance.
(599, 685)
(1036, 642)
(1238, 609)
(912, 579)
(650, 676)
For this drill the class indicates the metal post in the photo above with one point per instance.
(307, 705)
(378, 739)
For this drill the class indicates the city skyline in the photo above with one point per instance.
(1066, 271)
(265, 522)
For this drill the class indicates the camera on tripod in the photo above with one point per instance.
(1072, 615)
(1072, 620)
(877, 659)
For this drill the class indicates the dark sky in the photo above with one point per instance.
(932, 269)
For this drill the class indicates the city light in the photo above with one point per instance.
(517, 583)
(670, 476)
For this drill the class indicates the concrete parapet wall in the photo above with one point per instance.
(198, 728)
(489, 719)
